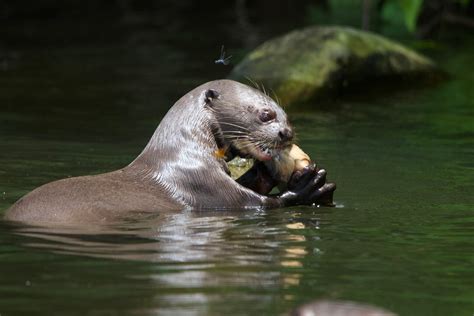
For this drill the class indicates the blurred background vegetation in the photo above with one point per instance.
(67, 49)
(417, 18)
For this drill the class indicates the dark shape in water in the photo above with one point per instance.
(334, 308)
(222, 59)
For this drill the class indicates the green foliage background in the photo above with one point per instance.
(400, 14)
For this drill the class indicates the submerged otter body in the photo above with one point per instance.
(179, 168)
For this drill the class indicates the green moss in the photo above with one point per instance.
(313, 61)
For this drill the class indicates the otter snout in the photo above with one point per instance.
(285, 134)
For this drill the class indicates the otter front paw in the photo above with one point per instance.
(307, 187)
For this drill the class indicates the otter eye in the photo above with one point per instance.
(266, 115)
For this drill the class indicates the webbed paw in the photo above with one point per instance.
(307, 187)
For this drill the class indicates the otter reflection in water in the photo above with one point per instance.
(179, 168)
(250, 254)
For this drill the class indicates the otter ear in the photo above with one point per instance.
(211, 95)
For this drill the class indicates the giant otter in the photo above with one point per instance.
(181, 168)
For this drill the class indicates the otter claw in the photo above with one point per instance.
(325, 194)
(320, 178)
(300, 179)
(308, 187)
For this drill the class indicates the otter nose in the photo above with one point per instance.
(285, 134)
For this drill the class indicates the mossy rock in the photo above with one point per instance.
(318, 61)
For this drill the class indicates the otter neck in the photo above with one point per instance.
(185, 136)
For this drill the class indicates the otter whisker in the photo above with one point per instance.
(235, 137)
(246, 141)
(235, 131)
(235, 134)
(274, 144)
(264, 91)
(295, 137)
(239, 117)
(242, 131)
(258, 86)
(245, 144)
(230, 117)
(255, 84)
(276, 98)
(261, 145)
(243, 128)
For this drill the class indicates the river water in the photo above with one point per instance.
(401, 236)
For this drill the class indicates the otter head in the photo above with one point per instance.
(248, 121)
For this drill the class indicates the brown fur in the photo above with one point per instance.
(178, 169)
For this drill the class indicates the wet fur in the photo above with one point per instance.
(178, 169)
